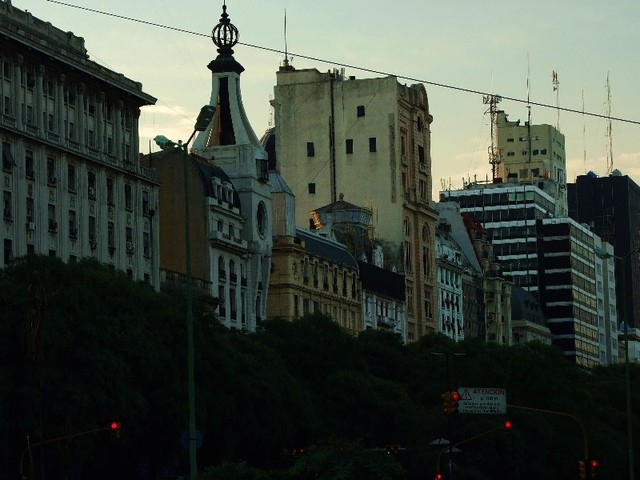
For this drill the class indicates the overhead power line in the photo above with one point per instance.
(357, 67)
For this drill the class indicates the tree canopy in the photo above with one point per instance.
(82, 346)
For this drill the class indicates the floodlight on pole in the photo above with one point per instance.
(204, 119)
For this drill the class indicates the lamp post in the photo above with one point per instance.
(202, 122)
(627, 375)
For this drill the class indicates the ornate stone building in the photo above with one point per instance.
(72, 182)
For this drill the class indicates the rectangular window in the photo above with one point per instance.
(372, 144)
(110, 196)
(360, 110)
(312, 188)
(7, 158)
(6, 204)
(111, 237)
(51, 171)
(421, 158)
(53, 225)
(30, 216)
(311, 151)
(146, 244)
(7, 105)
(71, 178)
(128, 197)
(349, 145)
(91, 187)
(73, 226)
(8, 250)
(146, 209)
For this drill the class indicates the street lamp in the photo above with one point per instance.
(202, 122)
(605, 255)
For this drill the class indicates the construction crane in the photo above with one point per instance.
(494, 151)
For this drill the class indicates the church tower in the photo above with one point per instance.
(230, 143)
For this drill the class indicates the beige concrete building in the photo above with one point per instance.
(72, 182)
(369, 139)
(533, 154)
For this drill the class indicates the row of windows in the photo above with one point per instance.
(50, 91)
(534, 152)
(311, 149)
(74, 231)
(346, 318)
(329, 276)
(523, 138)
(8, 163)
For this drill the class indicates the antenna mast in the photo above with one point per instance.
(494, 151)
(609, 130)
(528, 110)
(556, 88)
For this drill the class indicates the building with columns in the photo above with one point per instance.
(72, 182)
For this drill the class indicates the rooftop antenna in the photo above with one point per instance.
(556, 88)
(494, 151)
(528, 109)
(285, 63)
(584, 137)
(609, 130)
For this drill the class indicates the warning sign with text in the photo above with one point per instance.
(482, 400)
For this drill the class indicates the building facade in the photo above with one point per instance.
(533, 154)
(611, 207)
(312, 273)
(331, 130)
(73, 185)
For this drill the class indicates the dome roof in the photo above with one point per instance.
(268, 142)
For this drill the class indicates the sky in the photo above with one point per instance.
(499, 47)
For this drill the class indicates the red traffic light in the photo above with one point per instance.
(594, 463)
(439, 476)
(507, 424)
(115, 426)
(455, 396)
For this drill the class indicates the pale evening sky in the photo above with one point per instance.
(486, 46)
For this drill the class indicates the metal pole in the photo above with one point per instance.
(193, 468)
(627, 374)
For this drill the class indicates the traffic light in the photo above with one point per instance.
(438, 476)
(594, 469)
(507, 426)
(450, 402)
(582, 469)
(115, 428)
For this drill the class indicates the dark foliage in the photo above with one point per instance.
(81, 346)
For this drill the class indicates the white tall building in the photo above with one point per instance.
(72, 182)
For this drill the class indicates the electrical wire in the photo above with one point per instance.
(357, 67)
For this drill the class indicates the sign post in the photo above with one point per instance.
(483, 400)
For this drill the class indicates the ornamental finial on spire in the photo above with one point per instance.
(224, 34)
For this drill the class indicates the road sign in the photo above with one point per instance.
(483, 400)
